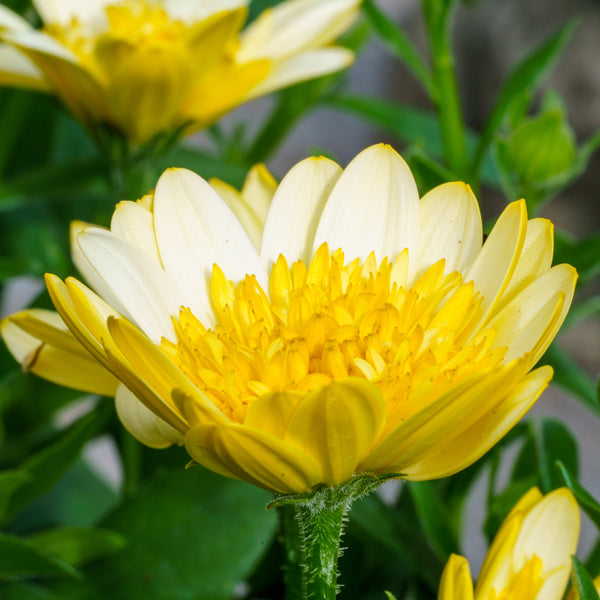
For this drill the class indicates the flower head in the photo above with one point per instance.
(530, 558)
(147, 66)
(365, 330)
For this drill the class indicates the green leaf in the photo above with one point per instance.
(556, 443)
(26, 188)
(20, 590)
(503, 503)
(390, 596)
(10, 482)
(396, 534)
(79, 546)
(434, 518)
(526, 75)
(570, 376)
(399, 44)
(22, 558)
(79, 499)
(191, 534)
(587, 502)
(583, 583)
(417, 128)
(51, 463)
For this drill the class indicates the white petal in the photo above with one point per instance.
(40, 42)
(11, 21)
(374, 207)
(292, 220)
(87, 269)
(61, 12)
(196, 229)
(550, 531)
(296, 25)
(142, 423)
(134, 224)
(146, 292)
(301, 67)
(192, 10)
(450, 227)
(17, 70)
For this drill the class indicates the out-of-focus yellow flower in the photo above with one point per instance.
(372, 332)
(149, 66)
(530, 558)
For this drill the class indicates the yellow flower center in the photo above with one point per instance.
(331, 321)
(524, 585)
(131, 26)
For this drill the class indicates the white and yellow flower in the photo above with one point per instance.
(149, 66)
(530, 558)
(365, 330)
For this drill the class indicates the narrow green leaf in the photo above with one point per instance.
(396, 533)
(10, 482)
(434, 518)
(570, 376)
(417, 128)
(51, 463)
(556, 443)
(587, 502)
(526, 75)
(79, 546)
(399, 44)
(22, 190)
(583, 583)
(22, 558)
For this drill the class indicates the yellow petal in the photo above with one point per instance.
(272, 412)
(39, 340)
(455, 451)
(534, 261)
(150, 364)
(18, 71)
(336, 425)
(447, 418)
(253, 456)
(456, 583)
(522, 323)
(76, 86)
(496, 263)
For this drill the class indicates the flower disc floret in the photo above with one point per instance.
(333, 321)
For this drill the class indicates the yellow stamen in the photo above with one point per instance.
(331, 321)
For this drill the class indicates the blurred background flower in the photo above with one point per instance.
(138, 68)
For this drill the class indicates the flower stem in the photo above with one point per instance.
(438, 16)
(312, 525)
(312, 546)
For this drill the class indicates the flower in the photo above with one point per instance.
(530, 557)
(149, 66)
(371, 333)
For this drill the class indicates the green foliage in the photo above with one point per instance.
(583, 584)
(189, 534)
